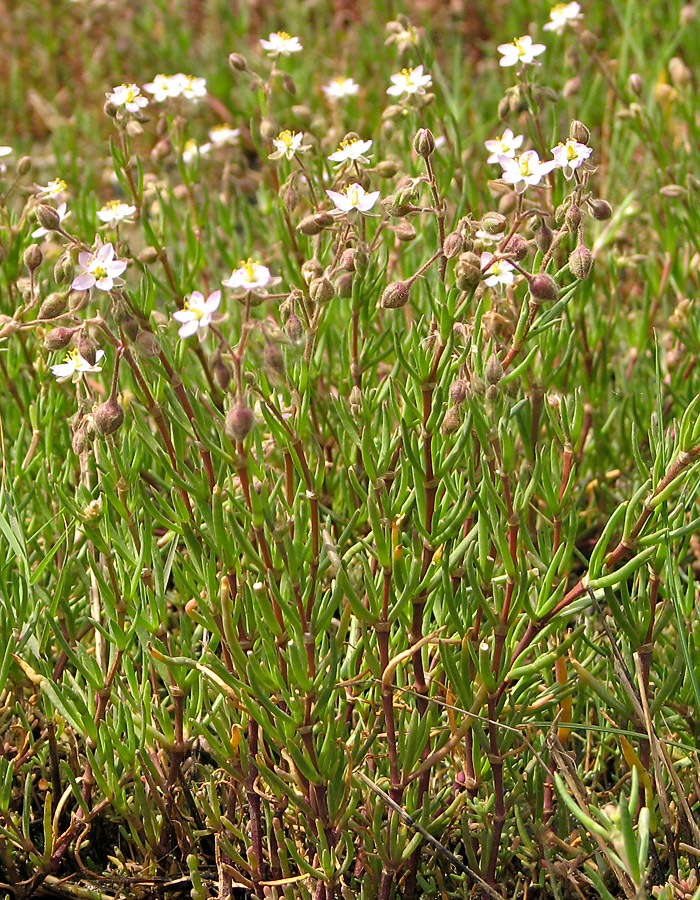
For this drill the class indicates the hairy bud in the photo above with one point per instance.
(87, 348)
(581, 262)
(321, 290)
(573, 218)
(453, 245)
(579, 132)
(468, 270)
(311, 269)
(274, 358)
(544, 237)
(47, 217)
(33, 257)
(600, 209)
(494, 223)
(424, 143)
(146, 344)
(239, 422)
(315, 224)
(452, 421)
(387, 168)
(517, 248)
(24, 165)
(58, 338)
(222, 373)
(294, 328)
(405, 232)
(108, 416)
(396, 294)
(543, 288)
(458, 391)
(494, 369)
(237, 62)
(54, 305)
(343, 285)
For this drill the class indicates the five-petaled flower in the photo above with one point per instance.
(561, 15)
(114, 212)
(197, 313)
(192, 151)
(74, 366)
(505, 145)
(169, 87)
(521, 50)
(127, 96)
(287, 144)
(55, 189)
(409, 81)
(63, 213)
(100, 270)
(351, 150)
(526, 169)
(221, 135)
(281, 44)
(251, 276)
(569, 156)
(340, 88)
(497, 271)
(353, 199)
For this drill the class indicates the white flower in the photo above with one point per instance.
(505, 145)
(352, 150)
(281, 44)
(5, 151)
(162, 87)
(500, 271)
(192, 150)
(409, 81)
(63, 214)
(340, 88)
(220, 135)
(485, 237)
(522, 50)
(54, 190)
(188, 86)
(525, 169)
(250, 276)
(100, 269)
(562, 15)
(114, 212)
(287, 144)
(74, 366)
(569, 156)
(129, 96)
(353, 198)
(197, 313)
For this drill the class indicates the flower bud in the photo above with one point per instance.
(239, 422)
(424, 143)
(503, 108)
(600, 209)
(544, 237)
(63, 269)
(573, 218)
(47, 217)
(294, 329)
(54, 305)
(87, 348)
(343, 285)
(237, 62)
(110, 109)
(635, 84)
(453, 245)
(33, 257)
(494, 369)
(571, 87)
(80, 440)
(289, 85)
(268, 129)
(396, 294)
(452, 421)
(134, 128)
(508, 202)
(543, 287)
(77, 300)
(494, 223)
(274, 358)
(581, 262)
(458, 391)
(315, 224)
(679, 72)
(468, 270)
(311, 269)
(58, 338)
(387, 168)
(517, 248)
(688, 14)
(355, 400)
(579, 132)
(321, 290)
(588, 40)
(148, 256)
(24, 165)
(108, 416)
(405, 232)
(346, 263)
(146, 344)
(130, 326)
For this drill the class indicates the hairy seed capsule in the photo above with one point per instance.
(405, 232)
(321, 290)
(581, 262)
(108, 416)
(33, 257)
(239, 422)
(130, 326)
(543, 288)
(87, 348)
(222, 373)
(458, 391)
(387, 168)
(573, 218)
(47, 217)
(452, 421)
(453, 245)
(517, 248)
(494, 223)
(24, 165)
(494, 369)
(600, 209)
(544, 237)
(53, 306)
(146, 344)
(396, 294)
(58, 338)
(343, 285)
(294, 328)
(468, 269)
(274, 358)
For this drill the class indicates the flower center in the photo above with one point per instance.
(349, 143)
(558, 10)
(98, 270)
(524, 166)
(354, 196)
(130, 92)
(286, 137)
(249, 267)
(56, 186)
(519, 46)
(283, 36)
(571, 152)
(408, 75)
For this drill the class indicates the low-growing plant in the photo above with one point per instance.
(350, 467)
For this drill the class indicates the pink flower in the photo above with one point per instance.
(100, 270)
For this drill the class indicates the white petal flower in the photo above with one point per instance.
(162, 87)
(114, 212)
(192, 151)
(353, 150)
(526, 169)
(127, 96)
(353, 198)
(521, 50)
(197, 313)
(74, 366)
(340, 88)
(486, 238)
(500, 271)
(569, 156)
(221, 135)
(505, 145)
(5, 151)
(188, 86)
(250, 276)
(63, 214)
(561, 15)
(281, 44)
(287, 144)
(54, 190)
(409, 81)
(100, 270)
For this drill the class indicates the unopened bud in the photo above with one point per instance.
(355, 400)
(453, 245)
(87, 348)
(289, 85)
(424, 143)
(387, 168)
(458, 391)
(688, 14)
(543, 288)
(33, 257)
(581, 262)
(239, 422)
(222, 373)
(588, 40)
(573, 218)
(274, 358)
(315, 224)
(63, 269)
(494, 223)
(302, 112)
(237, 62)
(600, 209)
(468, 270)
(321, 290)
(110, 109)
(130, 326)
(146, 344)
(579, 132)
(294, 328)
(494, 369)
(77, 300)
(405, 232)
(54, 305)
(503, 108)
(679, 72)
(311, 269)
(571, 87)
(544, 237)
(24, 165)
(517, 248)
(396, 294)
(108, 417)
(268, 129)
(346, 263)
(58, 338)
(343, 285)
(47, 217)
(452, 421)
(635, 84)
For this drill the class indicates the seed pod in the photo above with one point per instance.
(274, 358)
(321, 290)
(387, 168)
(294, 328)
(58, 338)
(77, 300)
(239, 422)
(396, 294)
(268, 129)
(346, 263)
(108, 416)
(87, 348)
(579, 132)
(517, 247)
(494, 223)
(63, 269)
(24, 165)
(635, 84)
(147, 344)
(54, 305)
(581, 262)
(311, 269)
(47, 217)
(543, 287)
(600, 209)
(458, 391)
(222, 373)
(405, 232)
(130, 326)
(544, 237)
(33, 257)
(494, 369)
(424, 143)
(452, 421)
(453, 245)
(468, 269)
(315, 224)
(148, 256)
(573, 218)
